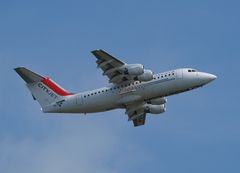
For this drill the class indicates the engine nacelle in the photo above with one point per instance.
(132, 69)
(146, 76)
(158, 101)
(154, 109)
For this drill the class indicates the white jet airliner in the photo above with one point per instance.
(133, 88)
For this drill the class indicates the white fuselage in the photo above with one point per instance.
(118, 96)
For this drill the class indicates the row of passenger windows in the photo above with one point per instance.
(126, 85)
(114, 88)
(166, 75)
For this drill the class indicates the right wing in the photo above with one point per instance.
(137, 111)
(139, 121)
(136, 114)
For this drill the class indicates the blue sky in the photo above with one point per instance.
(200, 131)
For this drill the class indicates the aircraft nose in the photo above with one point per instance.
(212, 77)
(206, 77)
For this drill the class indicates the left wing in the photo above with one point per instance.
(110, 66)
(119, 72)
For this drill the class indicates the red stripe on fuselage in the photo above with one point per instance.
(55, 88)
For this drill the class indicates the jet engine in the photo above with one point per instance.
(154, 109)
(158, 101)
(132, 69)
(146, 76)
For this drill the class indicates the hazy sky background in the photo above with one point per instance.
(200, 132)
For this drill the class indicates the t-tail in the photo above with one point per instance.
(43, 89)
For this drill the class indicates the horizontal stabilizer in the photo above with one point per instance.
(28, 76)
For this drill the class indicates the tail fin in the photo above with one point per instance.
(43, 89)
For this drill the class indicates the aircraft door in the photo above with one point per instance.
(79, 99)
(180, 73)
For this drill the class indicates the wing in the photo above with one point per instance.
(139, 121)
(136, 114)
(111, 67)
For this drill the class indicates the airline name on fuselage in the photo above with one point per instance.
(48, 91)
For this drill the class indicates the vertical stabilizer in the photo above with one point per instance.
(43, 89)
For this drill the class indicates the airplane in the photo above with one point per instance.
(132, 87)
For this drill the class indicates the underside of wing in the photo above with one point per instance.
(139, 121)
(137, 111)
(119, 72)
(136, 114)
(110, 66)
(138, 118)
